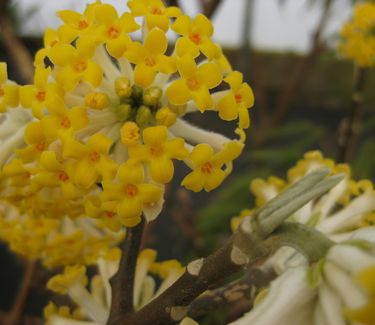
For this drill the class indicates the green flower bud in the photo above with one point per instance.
(123, 87)
(144, 116)
(151, 96)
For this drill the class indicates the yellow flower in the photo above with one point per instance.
(75, 64)
(196, 37)
(357, 36)
(35, 95)
(53, 173)
(237, 102)
(131, 193)
(115, 29)
(150, 59)
(8, 90)
(207, 171)
(72, 274)
(195, 83)
(93, 162)
(155, 13)
(62, 118)
(158, 152)
(76, 24)
(106, 218)
(38, 137)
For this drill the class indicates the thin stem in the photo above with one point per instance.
(14, 315)
(122, 283)
(349, 125)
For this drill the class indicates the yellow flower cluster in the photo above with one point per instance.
(358, 36)
(55, 242)
(349, 205)
(93, 304)
(98, 131)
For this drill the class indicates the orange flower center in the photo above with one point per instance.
(193, 83)
(195, 38)
(156, 150)
(94, 156)
(65, 122)
(207, 168)
(63, 176)
(40, 96)
(238, 98)
(40, 146)
(113, 32)
(1, 92)
(82, 24)
(109, 214)
(150, 61)
(131, 190)
(80, 66)
(156, 11)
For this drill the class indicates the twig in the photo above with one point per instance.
(122, 283)
(349, 126)
(246, 288)
(14, 315)
(209, 7)
(256, 238)
(302, 70)
(172, 304)
(19, 54)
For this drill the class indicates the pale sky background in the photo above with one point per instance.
(274, 27)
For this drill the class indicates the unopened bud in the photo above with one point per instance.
(130, 133)
(123, 111)
(165, 116)
(144, 116)
(123, 87)
(151, 96)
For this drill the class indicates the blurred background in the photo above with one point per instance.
(303, 90)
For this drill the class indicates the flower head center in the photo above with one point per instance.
(80, 65)
(156, 150)
(193, 83)
(238, 98)
(63, 176)
(207, 168)
(40, 96)
(131, 190)
(113, 32)
(195, 38)
(82, 24)
(41, 146)
(109, 214)
(156, 11)
(65, 122)
(94, 156)
(150, 61)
